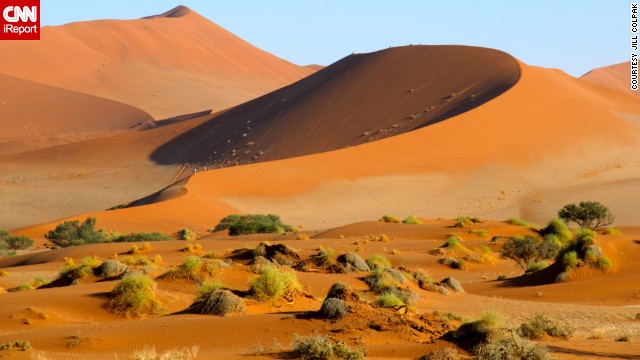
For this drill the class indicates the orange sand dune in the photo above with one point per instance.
(616, 76)
(175, 63)
(38, 115)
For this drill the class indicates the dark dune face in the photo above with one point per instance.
(359, 99)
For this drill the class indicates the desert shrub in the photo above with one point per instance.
(588, 214)
(389, 299)
(252, 224)
(389, 219)
(458, 264)
(196, 269)
(302, 236)
(339, 290)
(322, 348)
(219, 302)
(529, 249)
(422, 278)
(558, 228)
(519, 222)
(19, 345)
(134, 297)
(536, 266)
(480, 232)
(536, 327)
(378, 261)
(612, 231)
(186, 234)
(510, 347)
(140, 237)
(325, 258)
(411, 219)
(351, 262)
(623, 338)
(4, 273)
(384, 279)
(274, 283)
(570, 260)
(149, 353)
(452, 283)
(110, 269)
(11, 242)
(603, 263)
(333, 308)
(452, 242)
(442, 354)
(72, 233)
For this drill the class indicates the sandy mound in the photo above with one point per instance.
(171, 64)
(616, 76)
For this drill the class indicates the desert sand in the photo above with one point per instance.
(177, 123)
(616, 76)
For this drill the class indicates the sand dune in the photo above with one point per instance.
(171, 64)
(616, 76)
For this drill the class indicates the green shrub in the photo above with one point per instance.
(140, 237)
(274, 283)
(536, 266)
(73, 233)
(389, 299)
(519, 222)
(389, 219)
(11, 242)
(623, 338)
(134, 297)
(322, 348)
(442, 354)
(588, 214)
(378, 261)
(603, 263)
(510, 347)
(325, 258)
(480, 232)
(19, 345)
(570, 260)
(339, 290)
(186, 234)
(453, 242)
(253, 224)
(612, 231)
(411, 219)
(558, 228)
(333, 308)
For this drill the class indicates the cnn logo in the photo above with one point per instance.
(20, 20)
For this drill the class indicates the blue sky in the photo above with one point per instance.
(571, 35)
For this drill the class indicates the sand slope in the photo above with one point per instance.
(616, 76)
(171, 64)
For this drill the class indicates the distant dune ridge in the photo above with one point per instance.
(171, 64)
(616, 76)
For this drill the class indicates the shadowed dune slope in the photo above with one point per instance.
(616, 76)
(359, 99)
(31, 109)
(175, 63)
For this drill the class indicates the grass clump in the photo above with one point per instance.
(519, 222)
(536, 327)
(302, 236)
(480, 232)
(149, 353)
(623, 338)
(412, 220)
(389, 300)
(442, 354)
(140, 237)
(216, 301)
(511, 347)
(134, 297)
(612, 231)
(18, 345)
(325, 258)
(389, 219)
(333, 308)
(322, 348)
(186, 234)
(558, 229)
(253, 224)
(376, 261)
(274, 283)
(453, 243)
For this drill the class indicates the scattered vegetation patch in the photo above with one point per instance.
(14, 242)
(442, 354)
(412, 220)
(196, 269)
(558, 231)
(480, 232)
(452, 283)
(302, 236)
(278, 254)
(150, 353)
(536, 327)
(581, 251)
(348, 263)
(536, 266)
(623, 338)
(274, 283)
(220, 302)
(389, 299)
(17, 345)
(389, 219)
(322, 348)
(612, 231)
(253, 224)
(74, 233)
(465, 221)
(529, 249)
(376, 261)
(73, 273)
(453, 263)
(32, 285)
(333, 308)
(519, 222)
(134, 297)
(325, 258)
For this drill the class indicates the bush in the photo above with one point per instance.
(325, 258)
(149, 353)
(588, 214)
(16, 242)
(111, 269)
(139, 237)
(452, 283)
(378, 261)
(186, 234)
(452, 243)
(453, 263)
(558, 228)
(536, 266)
(504, 347)
(252, 224)
(219, 302)
(411, 219)
(134, 296)
(442, 354)
(274, 283)
(339, 291)
(321, 348)
(303, 236)
(351, 262)
(389, 219)
(519, 222)
(612, 231)
(535, 328)
(333, 308)
(389, 299)
(19, 345)
(570, 260)
(72, 233)
(480, 232)
(529, 249)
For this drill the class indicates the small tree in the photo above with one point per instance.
(16, 242)
(529, 249)
(588, 214)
